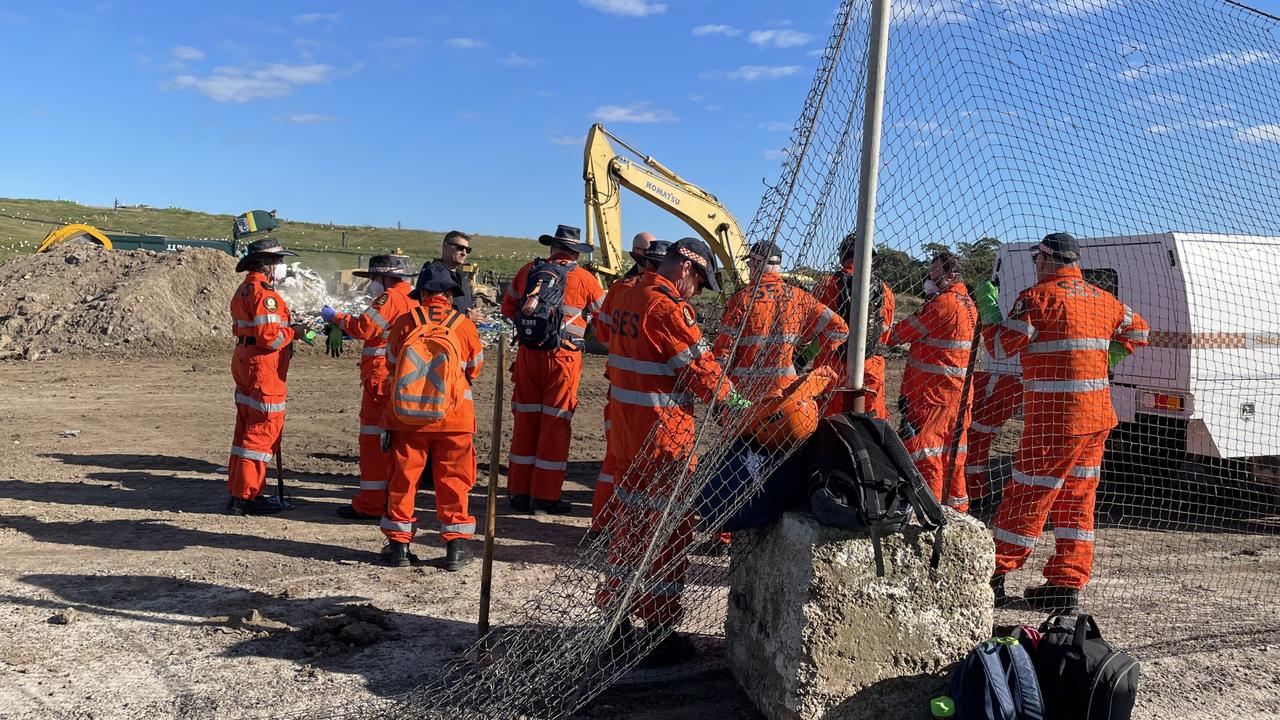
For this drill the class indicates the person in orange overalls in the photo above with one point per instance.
(836, 292)
(658, 365)
(648, 258)
(773, 319)
(390, 293)
(546, 383)
(996, 398)
(447, 444)
(259, 365)
(1068, 333)
(941, 338)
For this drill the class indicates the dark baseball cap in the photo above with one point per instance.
(766, 250)
(1061, 247)
(657, 250)
(697, 252)
(434, 277)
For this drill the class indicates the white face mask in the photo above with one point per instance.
(931, 288)
(279, 271)
(375, 288)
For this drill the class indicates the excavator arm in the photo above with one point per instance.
(605, 173)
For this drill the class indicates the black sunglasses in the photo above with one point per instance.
(466, 249)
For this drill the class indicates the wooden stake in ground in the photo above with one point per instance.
(491, 509)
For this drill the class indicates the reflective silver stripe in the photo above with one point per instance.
(1001, 353)
(475, 362)
(639, 499)
(956, 502)
(468, 528)
(377, 318)
(429, 414)
(374, 352)
(574, 330)
(974, 469)
(985, 429)
(1014, 538)
(425, 399)
(604, 478)
(823, 321)
(749, 372)
(251, 454)
(1044, 481)
(836, 335)
(728, 330)
(936, 369)
(1021, 327)
(373, 484)
(1086, 471)
(644, 367)
(549, 464)
(266, 319)
(244, 323)
(604, 318)
(264, 407)
(1128, 317)
(466, 395)
(944, 344)
(557, 412)
(780, 339)
(526, 407)
(688, 355)
(511, 292)
(649, 399)
(370, 430)
(277, 343)
(386, 524)
(927, 452)
(596, 304)
(1049, 346)
(914, 322)
(571, 310)
(1136, 335)
(520, 459)
(1066, 386)
(1073, 534)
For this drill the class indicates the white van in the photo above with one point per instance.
(1207, 389)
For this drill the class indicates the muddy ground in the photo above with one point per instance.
(128, 593)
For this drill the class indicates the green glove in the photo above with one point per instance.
(736, 402)
(987, 297)
(810, 352)
(333, 340)
(1116, 354)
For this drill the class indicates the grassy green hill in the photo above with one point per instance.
(24, 223)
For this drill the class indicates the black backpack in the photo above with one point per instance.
(860, 475)
(540, 314)
(875, 301)
(1082, 675)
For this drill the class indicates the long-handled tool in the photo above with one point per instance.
(280, 494)
(953, 450)
(491, 510)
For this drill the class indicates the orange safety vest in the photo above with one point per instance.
(582, 298)
(373, 326)
(467, 338)
(941, 337)
(781, 318)
(1062, 327)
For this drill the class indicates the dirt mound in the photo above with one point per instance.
(82, 299)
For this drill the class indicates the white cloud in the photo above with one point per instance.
(399, 43)
(240, 85)
(464, 43)
(626, 8)
(729, 30)
(775, 126)
(186, 52)
(1219, 60)
(310, 119)
(752, 73)
(780, 38)
(1259, 134)
(515, 59)
(775, 154)
(636, 112)
(565, 140)
(946, 11)
(315, 18)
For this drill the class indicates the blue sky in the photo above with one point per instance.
(435, 114)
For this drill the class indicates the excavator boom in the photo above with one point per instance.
(605, 172)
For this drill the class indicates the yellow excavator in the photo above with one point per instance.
(606, 172)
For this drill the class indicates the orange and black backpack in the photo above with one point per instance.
(428, 384)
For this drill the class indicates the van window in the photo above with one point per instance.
(1106, 278)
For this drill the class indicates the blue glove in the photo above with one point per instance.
(328, 313)
(987, 297)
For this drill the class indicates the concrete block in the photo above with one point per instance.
(813, 633)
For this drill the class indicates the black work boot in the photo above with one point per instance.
(519, 503)
(348, 512)
(997, 587)
(396, 554)
(551, 507)
(261, 505)
(456, 555)
(1052, 598)
(673, 650)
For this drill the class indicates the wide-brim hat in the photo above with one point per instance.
(257, 251)
(567, 237)
(697, 253)
(386, 265)
(434, 278)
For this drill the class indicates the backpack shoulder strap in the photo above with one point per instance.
(999, 700)
(1029, 700)
(453, 319)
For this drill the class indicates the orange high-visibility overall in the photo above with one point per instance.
(545, 395)
(996, 398)
(448, 444)
(941, 336)
(373, 326)
(603, 330)
(828, 293)
(658, 364)
(260, 323)
(781, 318)
(1062, 327)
